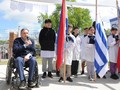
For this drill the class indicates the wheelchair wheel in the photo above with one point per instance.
(9, 71)
(36, 77)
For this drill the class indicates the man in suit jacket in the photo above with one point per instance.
(24, 50)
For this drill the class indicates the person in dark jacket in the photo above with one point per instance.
(24, 50)
(47, 40)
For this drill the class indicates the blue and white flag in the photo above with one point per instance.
(101, 50)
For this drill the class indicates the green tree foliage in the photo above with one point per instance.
(3, 42)
(79, 17)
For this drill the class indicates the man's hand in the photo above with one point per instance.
(26, 58)
(28, 42)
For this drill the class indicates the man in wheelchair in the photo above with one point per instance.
(24, 50)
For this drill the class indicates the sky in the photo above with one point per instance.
(12, 19)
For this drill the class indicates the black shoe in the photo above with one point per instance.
(82, 72)
(44, 75)
(98, 76)
(104, 77)
(61, 79)
(22, 85)
(57, 73)
(114, 76)
(31, 83)
(50, 75)
(69, 79)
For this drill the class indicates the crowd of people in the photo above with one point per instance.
(77, 48)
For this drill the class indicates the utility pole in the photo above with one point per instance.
(18, 31)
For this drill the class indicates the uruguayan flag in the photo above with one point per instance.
(101, 50)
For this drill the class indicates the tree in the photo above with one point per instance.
(3, 42)
(79, 17)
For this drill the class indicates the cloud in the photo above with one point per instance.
(25, 19)
(16, 15)
(29, 18)
(31, 26)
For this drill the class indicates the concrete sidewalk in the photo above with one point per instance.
(79, 83)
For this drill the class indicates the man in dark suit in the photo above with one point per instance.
(24, 50)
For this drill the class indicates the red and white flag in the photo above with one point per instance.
(61, 35)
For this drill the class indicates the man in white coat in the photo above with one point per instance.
(69, 46)
(113, 43)
(76, 52)
(83, 49)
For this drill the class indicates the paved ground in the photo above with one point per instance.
(80, 83)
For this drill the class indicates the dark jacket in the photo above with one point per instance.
(20, 50)
(47, 38)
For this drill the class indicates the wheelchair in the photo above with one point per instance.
(12, 77)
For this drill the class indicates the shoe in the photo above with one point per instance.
(98, 76)
(22, 85)
(104, 77)
(31, 83)
(82, 72)
(91, 79)
(69, 79)
(50, 75)
(44, 75)
(61, 79)
(57, 73)
(114, 76)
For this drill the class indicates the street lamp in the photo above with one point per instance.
(18, 31)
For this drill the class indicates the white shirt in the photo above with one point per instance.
(83, 48)
(90, 50)
(69, 50)
(76, 50)
(113, 49)
(48, 54)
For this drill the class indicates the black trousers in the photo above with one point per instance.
(74, 67)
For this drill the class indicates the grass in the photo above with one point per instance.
(4, 61)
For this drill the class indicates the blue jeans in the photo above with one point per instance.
(20, 63)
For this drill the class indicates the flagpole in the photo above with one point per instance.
(96, 8)
(118, 16)
(117, 7)
(64, 67)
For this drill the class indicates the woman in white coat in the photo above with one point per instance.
(83, 49)
(90, 54)
(113, 41)
(76, 52)
(69, 45)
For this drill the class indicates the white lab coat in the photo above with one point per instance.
(69, 46)
(76, 50)
(113, 49)
(90, 50)
(83, 48)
